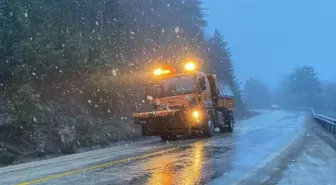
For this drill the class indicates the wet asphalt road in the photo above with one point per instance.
(223, 159)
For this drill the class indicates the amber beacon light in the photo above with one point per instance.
(190, 66)
(160, 71)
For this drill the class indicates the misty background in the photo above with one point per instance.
(73, 72)
(270, 39)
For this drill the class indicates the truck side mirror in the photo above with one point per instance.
(202, 83)
(147, 95)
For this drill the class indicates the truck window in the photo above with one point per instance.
(202, 83)
(177, 85)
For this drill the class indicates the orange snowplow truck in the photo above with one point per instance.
(185, 103)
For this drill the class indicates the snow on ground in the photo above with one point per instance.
(316, 165)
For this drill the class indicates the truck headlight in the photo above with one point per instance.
(196, 114)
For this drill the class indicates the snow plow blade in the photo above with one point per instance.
(160, 123)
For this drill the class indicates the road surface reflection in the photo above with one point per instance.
(177, 168)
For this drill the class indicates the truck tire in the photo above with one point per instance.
(230, 123)
(168, 138)
(208, 127)
(143, 133)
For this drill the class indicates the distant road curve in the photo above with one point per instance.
(327, 122)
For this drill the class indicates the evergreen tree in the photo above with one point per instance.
(43, 38)
(49, 52)
(220, 63)
(305, 86)
(163, 31)
(282, 95)
(257, 94)
(328, 95)
(302, 88)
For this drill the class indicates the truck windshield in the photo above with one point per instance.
(177, 85)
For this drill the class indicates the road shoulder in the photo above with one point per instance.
(309, 159)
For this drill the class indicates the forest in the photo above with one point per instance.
(71, 71)
(302, 87)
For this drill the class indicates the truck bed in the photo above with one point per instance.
(222, 92)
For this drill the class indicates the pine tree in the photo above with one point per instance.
(220, 63)
(45, 37)
(328, 94)
(302, 88)
(305, 85)
(163, 31)
(257, 94)
(50, 50)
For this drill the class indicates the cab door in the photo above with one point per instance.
(204, 92)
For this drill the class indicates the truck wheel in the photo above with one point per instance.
(168, 138)
(143, 133)
(230, 124)
(208, 128)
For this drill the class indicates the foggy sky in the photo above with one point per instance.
(269, 38)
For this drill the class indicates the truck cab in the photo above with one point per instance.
(183, 103)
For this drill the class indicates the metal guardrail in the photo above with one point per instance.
(326, 122)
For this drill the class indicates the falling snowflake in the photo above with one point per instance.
(26, 14)
(33, 74)
(114, 72)
(177, 30)
(34, 119)
(168, 4)
(89, 101)
(97, 23)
